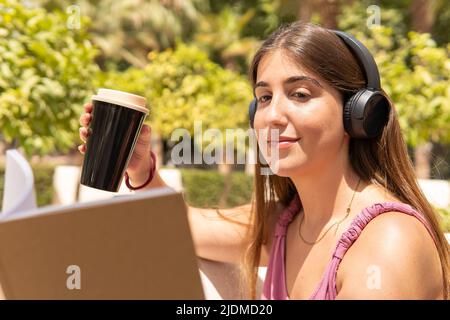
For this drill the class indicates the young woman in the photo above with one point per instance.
(343, 217)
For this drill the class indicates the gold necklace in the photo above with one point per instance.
(337, 223)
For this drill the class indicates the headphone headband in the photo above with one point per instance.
(369, 65)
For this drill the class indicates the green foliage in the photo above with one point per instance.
(241, 189)
(127, 30)
(183, 86)
(186, 86)
(45, 75)
(204, 188)
(444, 218)
(43, 181)
(231, 31)
(414, 72)
(354, 18)
(265, 18)
(441, 24)
(131, 80)
(221, 35)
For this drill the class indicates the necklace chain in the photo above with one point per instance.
(337, 223)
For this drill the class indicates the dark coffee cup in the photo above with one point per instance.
(117, 119)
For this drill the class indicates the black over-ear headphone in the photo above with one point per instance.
(367, 111)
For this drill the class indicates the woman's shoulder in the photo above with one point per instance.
(394, 231)
(397, 249)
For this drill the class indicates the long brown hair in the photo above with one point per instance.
(382, 160)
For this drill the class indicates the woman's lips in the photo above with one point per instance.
(283, 144)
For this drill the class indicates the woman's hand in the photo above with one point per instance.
(140, 163)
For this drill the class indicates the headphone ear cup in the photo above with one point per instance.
(376, 114)
(366, 113)
(251, 112)
(348, 111)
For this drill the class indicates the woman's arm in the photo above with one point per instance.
(220, 236)
(394, 258)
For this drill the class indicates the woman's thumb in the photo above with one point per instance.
(144, 136)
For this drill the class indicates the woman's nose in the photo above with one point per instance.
(276, 113)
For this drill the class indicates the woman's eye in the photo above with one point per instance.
(301, 95)
(263, 99)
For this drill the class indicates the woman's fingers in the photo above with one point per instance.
(84, 133)
(85, 119)
(82, 148)
(141, 155)
(143, 146)
(145, 136)
(88, 107)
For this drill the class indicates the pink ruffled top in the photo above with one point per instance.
(274, 287)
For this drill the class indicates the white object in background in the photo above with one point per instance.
(86, 194)
(19, 194)
(65, 183)
(172, 177)
(437, 192)
(68, 190)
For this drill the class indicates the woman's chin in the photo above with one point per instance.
(286, 170)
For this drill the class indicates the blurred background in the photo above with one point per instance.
(190, 59)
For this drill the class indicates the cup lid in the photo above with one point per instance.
(122, 98)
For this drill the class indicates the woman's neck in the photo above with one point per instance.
(326, 192)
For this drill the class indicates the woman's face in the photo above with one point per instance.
(301, 106)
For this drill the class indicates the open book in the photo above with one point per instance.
(135, 246)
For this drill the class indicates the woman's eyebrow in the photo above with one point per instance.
(260, 84)
(302, 78)
(290, 80)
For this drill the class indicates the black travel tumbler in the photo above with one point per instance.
(117, 119)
